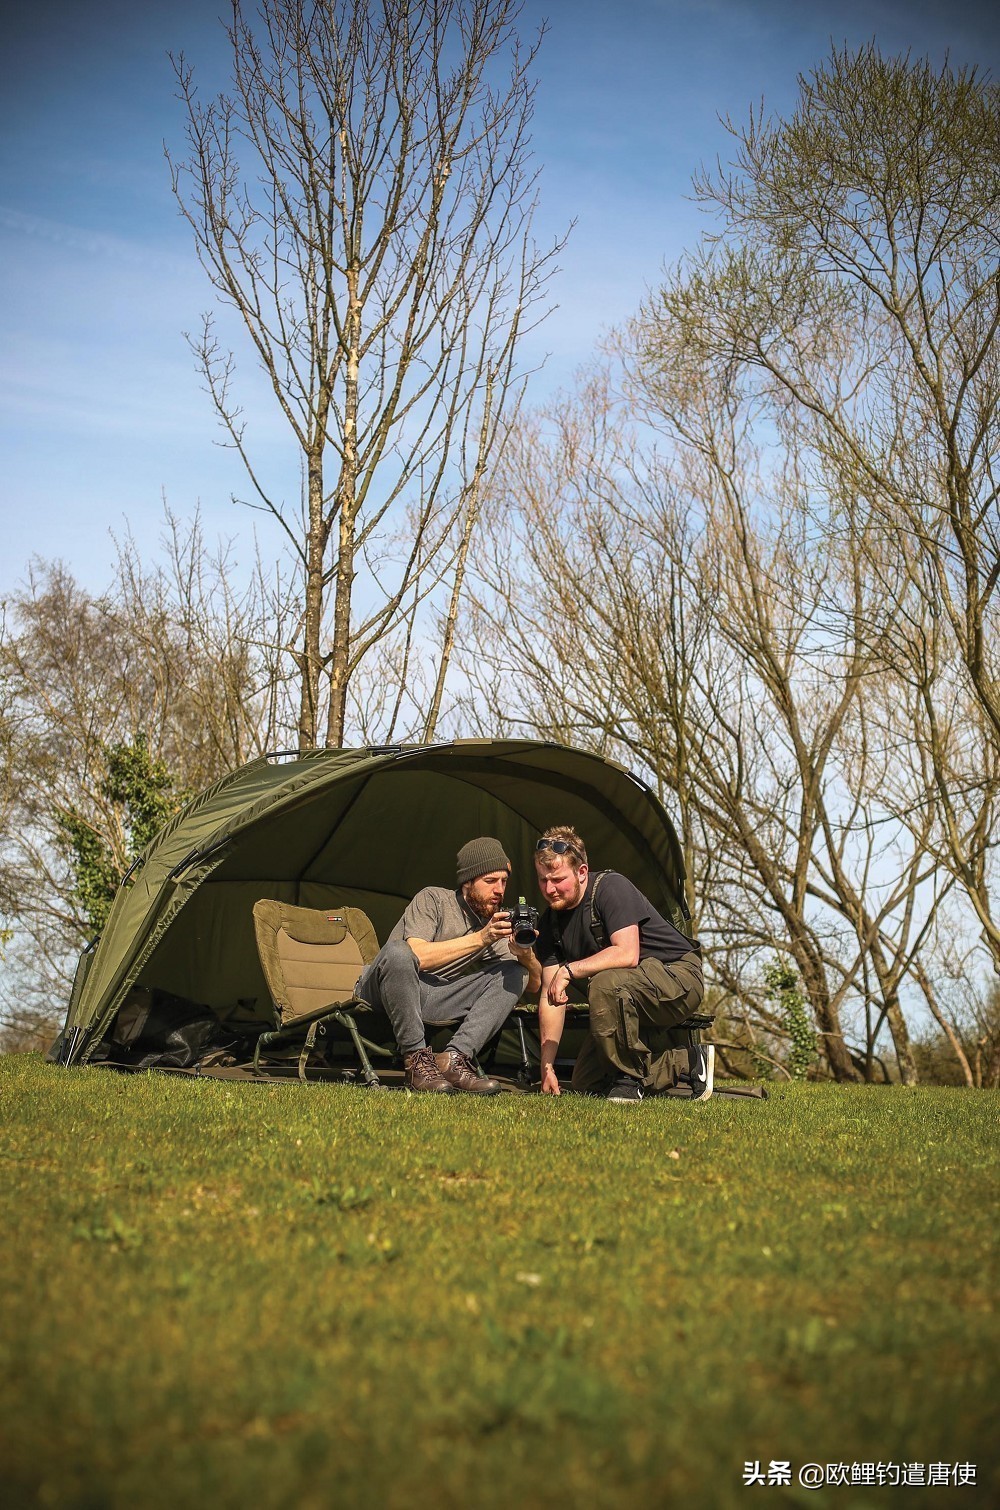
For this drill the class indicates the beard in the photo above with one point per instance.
(564, 904)
(483, 907)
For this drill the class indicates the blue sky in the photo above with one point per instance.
(101, 412)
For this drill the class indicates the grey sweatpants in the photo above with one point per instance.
(412, 999)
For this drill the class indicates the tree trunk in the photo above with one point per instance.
(826, 1015)
(930, 996)
(471, 519)
(908, 1073)
(347, 504)
(340, 652)
(310, 659)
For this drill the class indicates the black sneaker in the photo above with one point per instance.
(626, 1091)
(702, 1057)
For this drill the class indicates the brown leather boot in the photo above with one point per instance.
(421, 1073)
(458, 1069)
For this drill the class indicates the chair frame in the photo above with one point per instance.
(344, 1016)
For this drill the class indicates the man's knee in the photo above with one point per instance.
(679, 986)
(514, 978)
(502, 988)
(394, 963)
(604, 1001)
(396, 956)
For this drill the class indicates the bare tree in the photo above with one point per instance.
(780, 594)
(362, 201)
(965, 1005)
(619, 582)
(869, 224)
(172, 662)
(671, 608)
(945, 1024)
(209, 631)
(940, 773)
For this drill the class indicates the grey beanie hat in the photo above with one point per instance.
(480, 857)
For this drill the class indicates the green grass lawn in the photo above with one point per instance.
(226, 1294)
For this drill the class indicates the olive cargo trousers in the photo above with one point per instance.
(627, 1007)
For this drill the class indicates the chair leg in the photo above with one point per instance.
(524, 1073)
(262, 1041)
(377, 1048)
(307, 1049)
(346, 1020)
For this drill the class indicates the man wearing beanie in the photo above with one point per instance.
(450, 956)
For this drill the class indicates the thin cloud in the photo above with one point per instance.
(94, 243)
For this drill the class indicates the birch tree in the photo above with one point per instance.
(361, 201)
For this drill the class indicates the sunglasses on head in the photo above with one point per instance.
(557, 846)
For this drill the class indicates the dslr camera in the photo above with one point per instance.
(524, 923)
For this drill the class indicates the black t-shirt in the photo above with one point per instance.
(567, 935)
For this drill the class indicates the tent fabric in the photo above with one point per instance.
(334, 828)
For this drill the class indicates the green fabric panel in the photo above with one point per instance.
(210, 953)
(83, 968)
(382, 910)
(132, 920)
(402, 829)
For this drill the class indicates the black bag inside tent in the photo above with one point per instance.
(366, 828)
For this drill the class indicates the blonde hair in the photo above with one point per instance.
(576, 853)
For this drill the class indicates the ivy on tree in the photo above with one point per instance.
(140, 792)
(783, 988)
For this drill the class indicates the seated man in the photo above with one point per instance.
(451, 955)
(634, 967)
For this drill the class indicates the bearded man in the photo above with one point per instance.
(451, 955)
(599, 936)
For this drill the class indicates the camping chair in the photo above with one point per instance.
(311, 958)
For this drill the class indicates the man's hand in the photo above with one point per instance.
(558, 987)
(497, 928)
(550, 1082)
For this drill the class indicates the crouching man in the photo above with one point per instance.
(451, 956)
(601, 937)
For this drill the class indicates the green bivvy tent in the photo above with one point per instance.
(366, 828)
